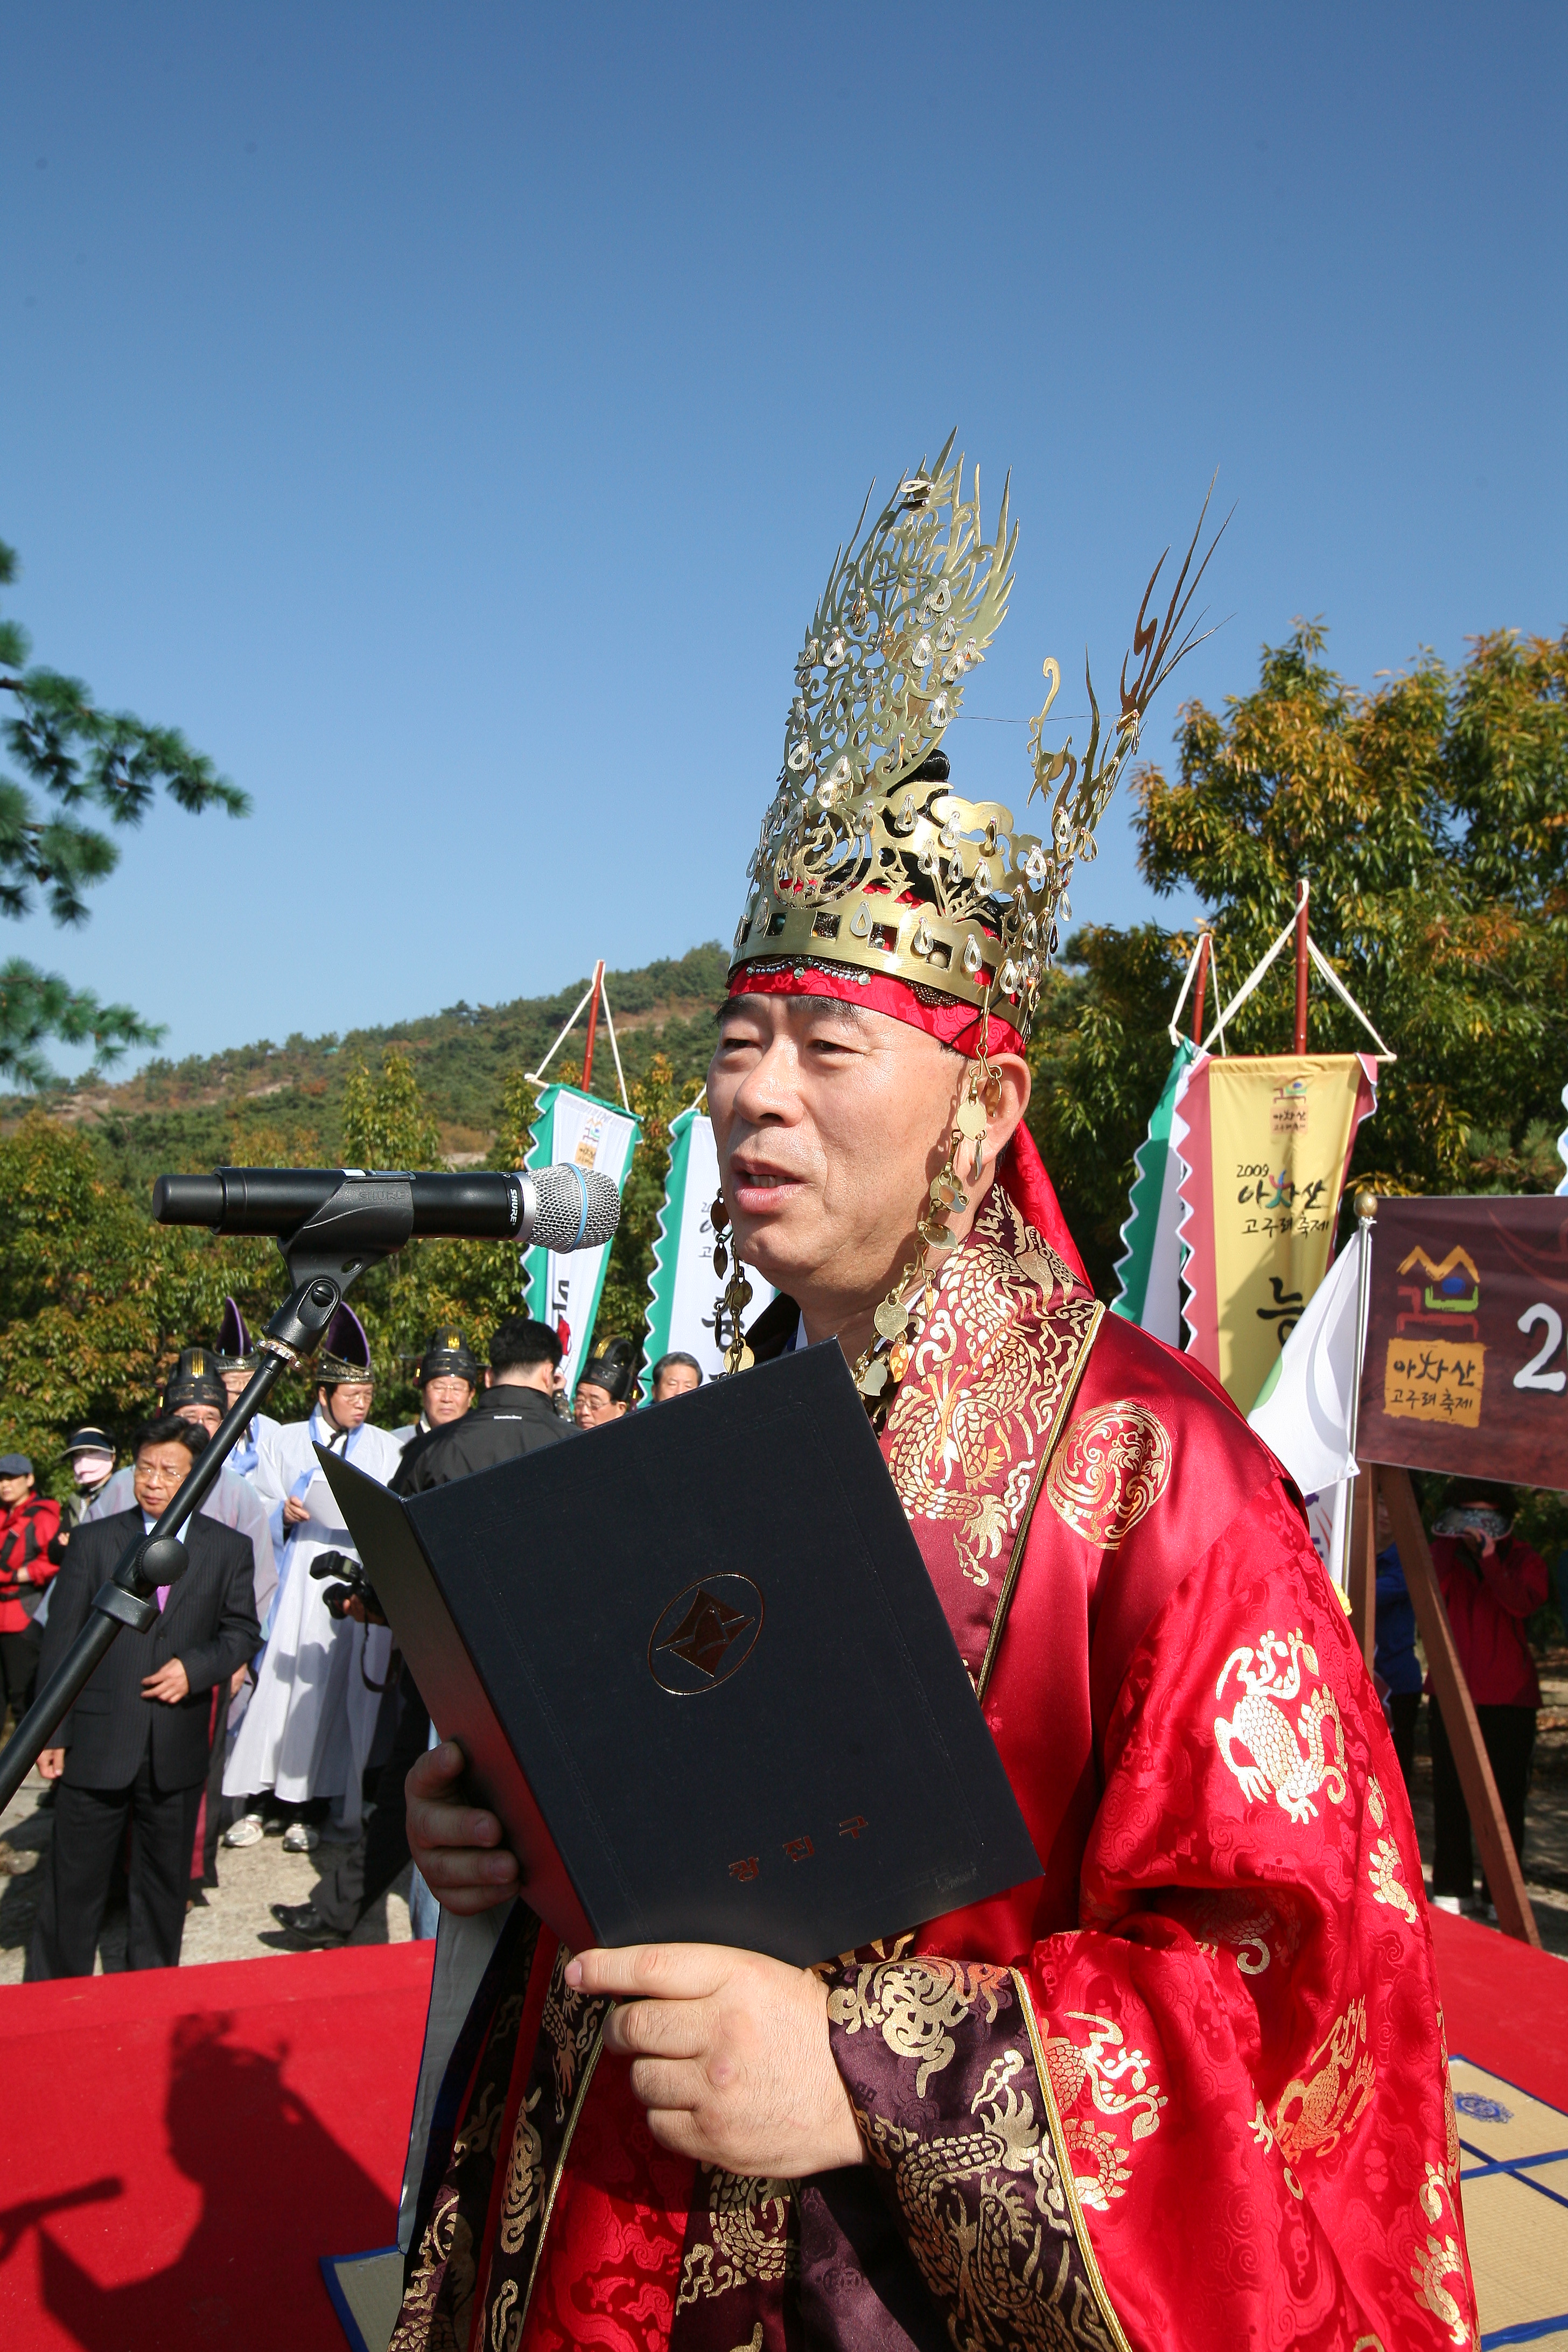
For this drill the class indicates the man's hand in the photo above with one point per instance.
(237, 1681)
(52, 1763)
(171, 1683)
(732, 2057)
(457, 1848)
(295, 1512)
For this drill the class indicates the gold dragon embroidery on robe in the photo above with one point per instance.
(1119, 2086)
(1438, 2260)
(1383, 1869)
(1006, 2272)
(987, 1384)
(1109, 1472)
(749, 2236)
(1316, 2109)
(1290, 1760)
(916, 2004)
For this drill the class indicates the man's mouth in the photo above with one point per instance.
(755, 1187)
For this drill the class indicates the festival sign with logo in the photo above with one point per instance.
(1267, 1144)
(1466, 1369)
(563, 1289)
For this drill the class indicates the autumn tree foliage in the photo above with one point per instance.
(1430, 814)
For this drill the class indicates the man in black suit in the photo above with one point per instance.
(135, 1743)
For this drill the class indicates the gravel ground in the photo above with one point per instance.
(232, 1924)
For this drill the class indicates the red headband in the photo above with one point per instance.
(1022, 1171)
(940, 1017)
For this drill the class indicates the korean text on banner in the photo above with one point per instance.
(1267, 1144)
(563, 1291)
(684, 1290)
(1466, 1367)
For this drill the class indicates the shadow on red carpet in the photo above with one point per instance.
(170, 2175)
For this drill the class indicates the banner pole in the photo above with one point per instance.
(593, 1026)
(1302, 890)
(1505, 1880)
(1200, 988)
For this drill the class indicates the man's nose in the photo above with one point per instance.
(768, 1090)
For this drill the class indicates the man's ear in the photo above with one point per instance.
(1001, 1124)
(490, 1378)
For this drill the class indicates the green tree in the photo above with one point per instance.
(1431, 815)
(387, 1123)
(95, 1301)
(75, 757)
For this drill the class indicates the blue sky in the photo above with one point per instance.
(447, 417)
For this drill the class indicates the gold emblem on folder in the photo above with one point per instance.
(705, 1634)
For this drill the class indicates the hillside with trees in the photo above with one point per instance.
(1431, 813)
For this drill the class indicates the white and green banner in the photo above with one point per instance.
(1149, 1266)
(684, 1290)
(563, 1291)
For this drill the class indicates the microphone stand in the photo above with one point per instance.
(361, 1225)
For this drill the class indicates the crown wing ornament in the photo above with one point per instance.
(866, 858)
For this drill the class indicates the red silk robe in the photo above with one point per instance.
(1188, 2088)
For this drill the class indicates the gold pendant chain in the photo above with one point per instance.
(882, 1366)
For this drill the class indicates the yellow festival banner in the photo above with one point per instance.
(1266, 1146)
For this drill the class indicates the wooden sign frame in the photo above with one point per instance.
(1505, 1880)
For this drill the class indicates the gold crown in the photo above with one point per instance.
(865, 861)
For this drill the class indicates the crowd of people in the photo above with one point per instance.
(268, 1700)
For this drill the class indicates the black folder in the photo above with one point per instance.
(700, 1672)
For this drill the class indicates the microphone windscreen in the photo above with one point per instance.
(577, 1208)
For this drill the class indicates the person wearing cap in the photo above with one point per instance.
(677, 1374)
(234, 1360)
(133, 1750)
(1186, 2084)
(91, 1453)
(29, 1523)
(449, 1374)
(196, 1392)
(605, 1385)
(308, 1730)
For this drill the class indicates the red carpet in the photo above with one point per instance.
(178, 2148)
(1504, 2005)
(171, 2174)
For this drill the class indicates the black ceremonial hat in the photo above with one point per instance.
(345, 1351)
(234, 1352)
(194, 1380)
(612, 1370)
(449, 1351)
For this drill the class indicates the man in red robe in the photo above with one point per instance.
(1186, 2088)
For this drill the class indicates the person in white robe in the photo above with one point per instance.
(308, 1731)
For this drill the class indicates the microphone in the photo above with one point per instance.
(562, 1208)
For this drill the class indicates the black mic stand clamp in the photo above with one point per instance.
(364, 1220)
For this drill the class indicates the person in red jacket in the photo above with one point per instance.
(1492, 1584)
(29, 1523)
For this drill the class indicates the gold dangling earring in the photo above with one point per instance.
(736, 1296)
(884, 1363)
(887, 1359)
